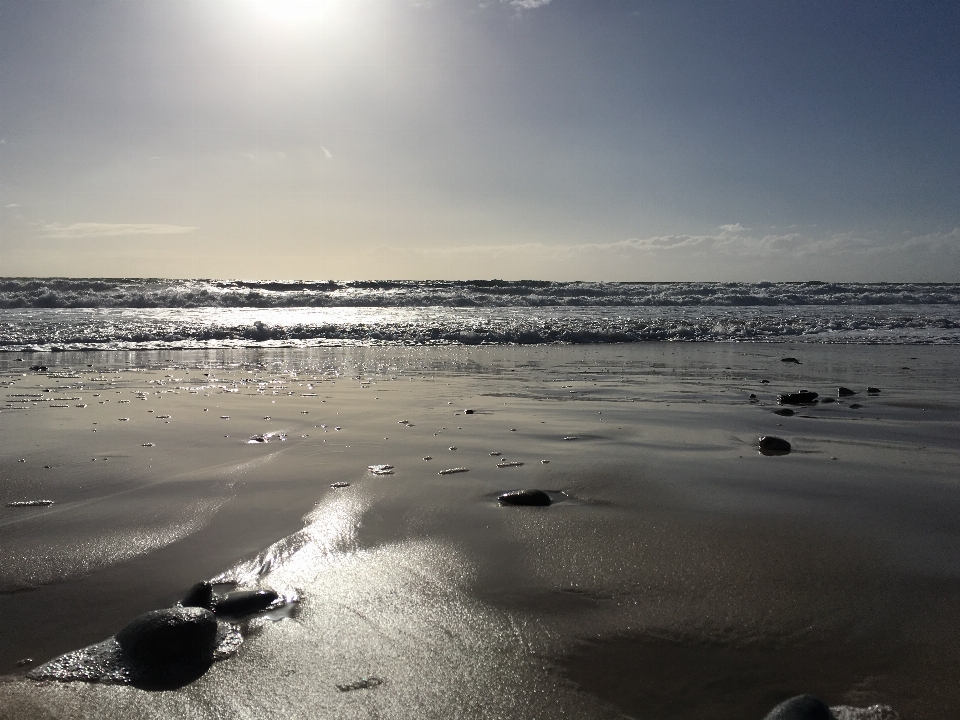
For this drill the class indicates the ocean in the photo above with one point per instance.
(66, 314)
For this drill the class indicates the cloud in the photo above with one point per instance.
(91, 230)
(12, 205)
(326, 153)
(529, 4)
(730, 241)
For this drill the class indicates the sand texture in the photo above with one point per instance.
(677, 573)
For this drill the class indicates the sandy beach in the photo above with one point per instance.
(678, 573)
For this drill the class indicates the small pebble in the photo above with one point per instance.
(524, 497)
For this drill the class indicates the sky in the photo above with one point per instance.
(620, 140)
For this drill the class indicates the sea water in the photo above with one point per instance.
(129, 314)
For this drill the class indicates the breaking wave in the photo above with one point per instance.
(159, 293)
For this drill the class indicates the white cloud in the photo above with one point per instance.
(729, 241)
(326, 153)
(529, 4)
(91, 230)
(12, 205)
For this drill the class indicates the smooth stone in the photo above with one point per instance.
(245, 602)
(827, 400)
(845, 392)
(786, 412)
(200, 595)
(769, 444)
(873, 391)
(170, 636)
(525, 497)
(468, 412)
(801, 707)
(801, 397)
(790, 359)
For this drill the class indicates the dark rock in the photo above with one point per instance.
(764, 382)
(753, 396)
(244, 602)
(856, 406)
(786, 412)
(845, 392)
(801, 707)
(770, 445)
(468, 412)
(790, 359)
(826, 400)
(170, 637)
(524, 497)
(801, 397)
(200, 595)
(873, 391)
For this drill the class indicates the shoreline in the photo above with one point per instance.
(674, 537)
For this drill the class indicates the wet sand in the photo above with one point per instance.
(680, 574)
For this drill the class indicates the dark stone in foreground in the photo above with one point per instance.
(770, 445)
(873, 391)
(524, 497)
(244, 602)
(170, 637)
(801, 707)
(786, 412)
(468, 412)
(801, 397)
(790, 359)
(200, 595)
(845, 392)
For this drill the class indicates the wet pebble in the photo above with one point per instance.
(785, 412)
(524, 497)
(242, 603)
(801, 397)
(845, 392)
(790, 360)
(452, 471)
(200, 595)
(801, 707)
(770, 445)
(873, 391)
(506, 464)
(170, 636)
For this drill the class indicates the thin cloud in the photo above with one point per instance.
(12, 205)
(92, 230)
(326, 153)
(732, 241)
(529, 4)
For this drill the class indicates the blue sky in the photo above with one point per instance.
(619, 140)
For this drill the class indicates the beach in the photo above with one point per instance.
(677, 573)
